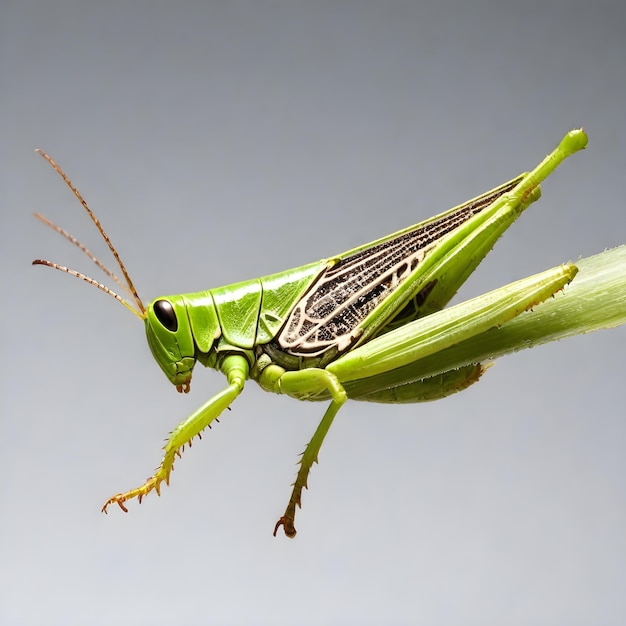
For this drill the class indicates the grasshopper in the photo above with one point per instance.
(356, 325)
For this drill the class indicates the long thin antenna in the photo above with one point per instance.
(94, 219)
(83, 249)
(91, 281)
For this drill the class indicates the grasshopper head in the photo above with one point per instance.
(171, 341)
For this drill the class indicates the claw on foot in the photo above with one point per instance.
(139, 493)
(288, 527)
(117, 498)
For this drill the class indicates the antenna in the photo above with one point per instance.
(89, 280)
(140, 311)
(84, 250)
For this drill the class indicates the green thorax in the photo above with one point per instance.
(207, 325)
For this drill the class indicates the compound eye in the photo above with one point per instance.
(165, 313)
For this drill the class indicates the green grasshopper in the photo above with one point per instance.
(356, 325)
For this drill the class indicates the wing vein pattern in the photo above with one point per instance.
(329, 314)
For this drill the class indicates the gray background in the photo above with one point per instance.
(218, 141)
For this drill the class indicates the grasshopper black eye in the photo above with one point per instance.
(165, 313)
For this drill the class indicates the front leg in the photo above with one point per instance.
(235, 367)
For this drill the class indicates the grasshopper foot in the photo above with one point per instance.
(153, 482)
(287, 521)
(288, 527)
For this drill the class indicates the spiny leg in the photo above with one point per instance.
(236, 369)
(300, 384)
(404, 347)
